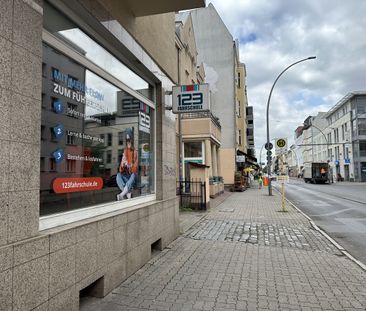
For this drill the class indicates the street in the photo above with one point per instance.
(339, 209)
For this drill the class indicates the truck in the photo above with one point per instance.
(317, 173)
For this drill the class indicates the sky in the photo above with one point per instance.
(274, 34)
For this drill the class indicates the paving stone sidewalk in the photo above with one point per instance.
(244, 255)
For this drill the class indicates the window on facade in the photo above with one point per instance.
(83, 106)
(109, 139)
(239, 138)
(362, 148)
(70, 166)
(361, 108)
(337, 153)
(193, 149)
(238, 79)
(361, 126)
(109, 157)
(70, 138)
(120, 138)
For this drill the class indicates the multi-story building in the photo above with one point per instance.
(69, 71)
(338, 137)
(201, 131)
(347, 137)
(219, 54)
(241, 104)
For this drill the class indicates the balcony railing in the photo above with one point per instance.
(203, 114)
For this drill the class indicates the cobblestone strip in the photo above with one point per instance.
(301, 236)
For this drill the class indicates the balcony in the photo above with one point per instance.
(201, 124)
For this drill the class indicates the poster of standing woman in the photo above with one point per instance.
(127, 171)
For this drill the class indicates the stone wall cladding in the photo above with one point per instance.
(46, 270)
(59, 263)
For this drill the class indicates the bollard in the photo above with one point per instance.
(283, 197)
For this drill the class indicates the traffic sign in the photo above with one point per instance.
(281, 143)
(270, 146)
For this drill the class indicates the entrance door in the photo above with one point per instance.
(346, 173)
(363, 171)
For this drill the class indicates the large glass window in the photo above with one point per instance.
(85, 160)
(62, 27)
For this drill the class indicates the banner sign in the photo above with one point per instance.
(191, 98)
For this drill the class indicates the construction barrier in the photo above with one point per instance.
(265, 181)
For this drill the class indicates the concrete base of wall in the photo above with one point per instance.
(49, 271)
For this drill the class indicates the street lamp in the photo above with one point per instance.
(269, 99)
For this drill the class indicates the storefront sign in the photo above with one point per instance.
(67, 185)
(240, 158)
(191, 98)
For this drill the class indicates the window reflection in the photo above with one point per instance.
(61, 26)
(89, 127)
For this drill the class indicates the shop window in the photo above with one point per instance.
(84, 118)
(65, 29)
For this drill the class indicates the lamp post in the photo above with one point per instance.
(269, 100)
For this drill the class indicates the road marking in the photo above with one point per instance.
(315, 202)
(332, 213)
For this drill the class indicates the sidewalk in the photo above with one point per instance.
(244, 255)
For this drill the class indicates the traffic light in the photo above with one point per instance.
(269, 153)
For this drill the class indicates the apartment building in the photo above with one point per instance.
(201, 131)
(222, 67)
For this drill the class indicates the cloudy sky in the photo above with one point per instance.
(274, 34)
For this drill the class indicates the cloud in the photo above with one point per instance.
(276, 33)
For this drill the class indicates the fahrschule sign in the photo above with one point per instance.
(191, 98)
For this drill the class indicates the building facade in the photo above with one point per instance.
(201, 131)
(219, 61)
(346, 132)
(83, 91)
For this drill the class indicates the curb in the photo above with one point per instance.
(330, 239)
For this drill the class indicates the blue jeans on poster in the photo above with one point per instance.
(125, 180)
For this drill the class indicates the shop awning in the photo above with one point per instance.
(248, 158)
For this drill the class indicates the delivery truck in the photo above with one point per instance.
(317, 173)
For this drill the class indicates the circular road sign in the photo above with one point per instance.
(281, 143)
(270, 146)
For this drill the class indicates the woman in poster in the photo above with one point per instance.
(128, 168)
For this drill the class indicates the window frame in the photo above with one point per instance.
(67, 217)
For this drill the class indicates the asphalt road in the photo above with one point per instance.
(339, 209)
